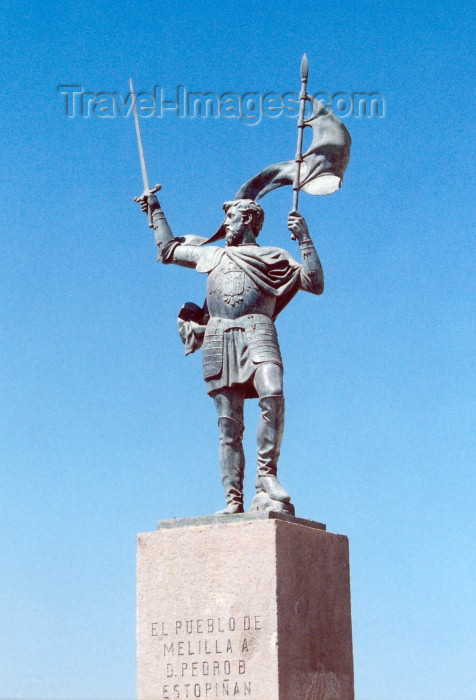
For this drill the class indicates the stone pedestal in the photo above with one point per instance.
(253, 605)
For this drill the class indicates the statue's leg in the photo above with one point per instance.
(229, 405)
(269, 386)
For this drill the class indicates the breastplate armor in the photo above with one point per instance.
(231, 293)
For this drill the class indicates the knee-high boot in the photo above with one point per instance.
(269, 436)
(232, 463)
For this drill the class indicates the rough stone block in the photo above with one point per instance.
(254, 607)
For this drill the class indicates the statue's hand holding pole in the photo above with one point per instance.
(298, 227)
(313, 279)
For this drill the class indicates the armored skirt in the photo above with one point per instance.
(233, 349)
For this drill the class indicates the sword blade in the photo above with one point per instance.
(145, 178)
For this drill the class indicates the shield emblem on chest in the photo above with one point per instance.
(233, 282)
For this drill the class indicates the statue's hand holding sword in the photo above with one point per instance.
(148, 201)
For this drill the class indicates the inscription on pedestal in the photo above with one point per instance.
(248, 609)
(205, 657)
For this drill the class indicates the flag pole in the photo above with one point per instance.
(301, 126)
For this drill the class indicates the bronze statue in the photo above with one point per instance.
(247, 286)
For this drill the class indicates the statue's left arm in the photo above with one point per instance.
(312, 276)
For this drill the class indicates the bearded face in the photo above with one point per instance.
(235, 226)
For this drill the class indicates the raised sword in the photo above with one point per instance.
(145, 179)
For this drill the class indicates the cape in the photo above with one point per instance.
(272, 270)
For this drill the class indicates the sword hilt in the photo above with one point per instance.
(146, 193)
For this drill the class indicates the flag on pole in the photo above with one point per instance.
(323, 165)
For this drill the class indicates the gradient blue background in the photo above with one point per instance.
(106, 426)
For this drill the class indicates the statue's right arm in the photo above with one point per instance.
(179, 253)
(170, 249)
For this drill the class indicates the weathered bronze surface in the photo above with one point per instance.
(247, 286)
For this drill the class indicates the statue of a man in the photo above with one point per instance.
(247, 287)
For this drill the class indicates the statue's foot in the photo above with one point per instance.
(263, 502)
(271, 486)
(231, 509)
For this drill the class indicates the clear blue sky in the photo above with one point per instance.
(106, 426)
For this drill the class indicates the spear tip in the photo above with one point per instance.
(304, 68)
